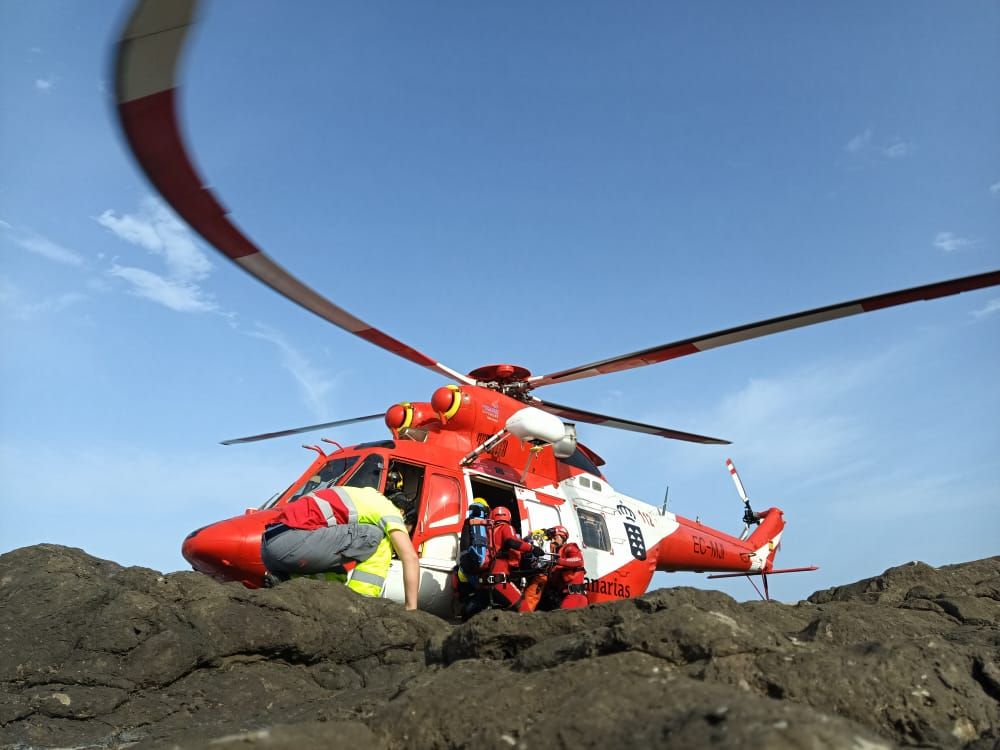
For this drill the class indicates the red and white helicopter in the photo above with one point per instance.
(485, 434)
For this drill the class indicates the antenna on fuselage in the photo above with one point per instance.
(666, 495)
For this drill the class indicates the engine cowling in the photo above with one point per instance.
(406, 414)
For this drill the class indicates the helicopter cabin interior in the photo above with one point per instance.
(497, 495)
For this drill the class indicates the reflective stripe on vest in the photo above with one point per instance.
(363, 576)
(345, 498)
(326, 509)
(385, 520)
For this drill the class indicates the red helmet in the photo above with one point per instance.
(570, 556)
(558, 531)
(500, 515)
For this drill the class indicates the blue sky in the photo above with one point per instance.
(544, 185)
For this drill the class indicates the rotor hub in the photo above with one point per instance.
(511, 380)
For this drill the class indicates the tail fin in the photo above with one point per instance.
(765, 539)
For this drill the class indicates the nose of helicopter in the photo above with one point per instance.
(228, 550)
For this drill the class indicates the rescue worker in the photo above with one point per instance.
(394, 491)
(507, 548)
(473, 558)
(568, 577)
(556, 538)
(329, 530)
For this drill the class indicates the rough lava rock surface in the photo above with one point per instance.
(94, 655)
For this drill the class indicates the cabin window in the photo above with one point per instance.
(584, 482)
(541, 516)
(596, 485)
(593, 530)
(329, 474)
(442, 506)
(369, 474)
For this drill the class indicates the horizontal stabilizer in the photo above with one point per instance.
(806, 569)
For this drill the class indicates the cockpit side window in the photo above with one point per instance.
(328, 475)
(369, 474)
(594, 530)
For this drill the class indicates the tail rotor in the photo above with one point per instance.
(749, 517)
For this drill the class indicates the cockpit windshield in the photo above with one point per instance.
(367, 474)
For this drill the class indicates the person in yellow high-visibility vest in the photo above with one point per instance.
(320, 531)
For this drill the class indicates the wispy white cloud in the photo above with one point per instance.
(155, 228)
(147, 533)
(866, 144)
(792, 428)
(98, 284)
(859, 143)
(897, 149)
(991, 307)
(804, 403)
(42, 246)
(44, 84)
(314, 382)
(158, 231)
(995, 188)
(176, 295)
(950, 242)
(50, 250)
(19, 306)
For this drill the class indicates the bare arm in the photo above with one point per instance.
(411, 565)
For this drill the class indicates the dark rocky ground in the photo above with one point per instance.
(96, 655)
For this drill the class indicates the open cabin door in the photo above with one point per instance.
(543, 512)
(439, 523)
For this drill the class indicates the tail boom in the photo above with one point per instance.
(695, 547)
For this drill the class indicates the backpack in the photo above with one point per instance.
(475, 554)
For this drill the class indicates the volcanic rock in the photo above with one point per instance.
(96, 655)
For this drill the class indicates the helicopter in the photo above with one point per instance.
(485, 433)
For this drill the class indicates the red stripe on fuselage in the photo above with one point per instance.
(630, 580)
(150, 124)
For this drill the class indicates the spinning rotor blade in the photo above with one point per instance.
(696, 344)
(297, 430)
(146, 89)
(579, 415)
(737, 481)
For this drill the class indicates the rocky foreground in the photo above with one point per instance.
(96, 655)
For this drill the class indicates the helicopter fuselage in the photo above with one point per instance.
(433, 446)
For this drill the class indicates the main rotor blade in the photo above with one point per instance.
(146, 87)
(696, 344)
(297, 430)
(591, 417)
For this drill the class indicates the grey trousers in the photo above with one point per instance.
(319, 550)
